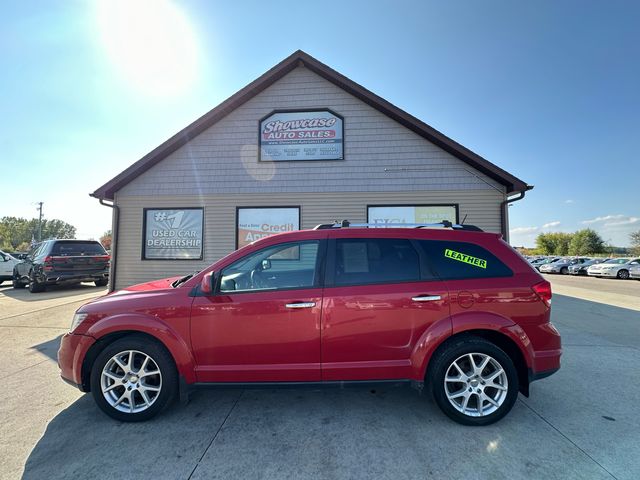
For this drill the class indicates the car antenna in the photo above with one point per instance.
(465, 217)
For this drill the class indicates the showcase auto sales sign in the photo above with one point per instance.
(301, 135)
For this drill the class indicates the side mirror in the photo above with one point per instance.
(206, 284)
(266, 264)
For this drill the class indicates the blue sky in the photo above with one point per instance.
(548, 90)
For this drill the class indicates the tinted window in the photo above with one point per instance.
(460, 260)
(283, 266)
(375, 260)
(76, 249)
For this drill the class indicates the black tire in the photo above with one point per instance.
(35, 286)
(623, 274)
(443, 361)
(164, 362)
(102, 283)
(564, 270)
(16, 281)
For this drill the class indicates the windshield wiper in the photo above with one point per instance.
(180, 281)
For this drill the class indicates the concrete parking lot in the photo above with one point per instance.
(580, 423)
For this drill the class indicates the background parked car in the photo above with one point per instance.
(7, 263)
(634, 272)
(581, 268)
(55, 262)
(562, 265)
(613, 268)
(543, 261)
(18, 255)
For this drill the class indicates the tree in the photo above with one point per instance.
(105, 240)
(16, 232)
(586, 242)
(555, 243)
(635, 242)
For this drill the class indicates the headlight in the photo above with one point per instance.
(78, 318)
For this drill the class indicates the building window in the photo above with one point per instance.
(389, 214)
(173, 233)
(253, 223)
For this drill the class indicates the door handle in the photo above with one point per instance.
(426, 298)
(301, 305)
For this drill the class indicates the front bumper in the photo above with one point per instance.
(603, 273)
(71, 354)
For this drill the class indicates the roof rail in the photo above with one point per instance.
(443, 224)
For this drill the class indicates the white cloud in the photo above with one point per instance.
(551, 224)
(603, 219)
(521, 230)
(627, 221)
(569, 201)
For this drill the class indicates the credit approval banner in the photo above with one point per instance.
(301, 135)
(256, 223)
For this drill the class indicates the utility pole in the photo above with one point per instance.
(40, 221)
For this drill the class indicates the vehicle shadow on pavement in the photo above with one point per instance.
(351, 433)
(49, 348)
(53, 291)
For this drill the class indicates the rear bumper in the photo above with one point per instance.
(545, 350)
(73, 349)
(75, 277)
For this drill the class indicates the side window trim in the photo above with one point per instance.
(318, 271)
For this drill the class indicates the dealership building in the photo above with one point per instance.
(299, 146)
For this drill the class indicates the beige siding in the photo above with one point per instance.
(482, 208)
(380, 154)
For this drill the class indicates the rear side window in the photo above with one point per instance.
(375, 260)
(461, 260)
(77, 249)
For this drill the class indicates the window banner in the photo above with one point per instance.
(412, 214)
(256, 223)
(173, 234)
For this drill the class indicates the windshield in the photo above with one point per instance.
(617, 261)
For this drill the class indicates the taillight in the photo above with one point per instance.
(47, 261)
(543, 290)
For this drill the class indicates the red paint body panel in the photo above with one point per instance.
(364, 332)
(253, 337)
(73, 349)
(369, 332)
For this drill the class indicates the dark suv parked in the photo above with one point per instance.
(54, 262)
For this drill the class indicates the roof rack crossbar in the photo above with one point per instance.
(443, 224)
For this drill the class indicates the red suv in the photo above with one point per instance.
(455, 310)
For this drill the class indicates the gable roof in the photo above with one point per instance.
(300, 58)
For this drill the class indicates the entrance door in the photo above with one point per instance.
(262, 324)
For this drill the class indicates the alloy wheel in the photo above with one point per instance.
(476, 384)
(131, 381)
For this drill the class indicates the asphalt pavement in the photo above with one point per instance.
(580, 423)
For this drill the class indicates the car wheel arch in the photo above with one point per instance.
(498, 337)
(108, 330)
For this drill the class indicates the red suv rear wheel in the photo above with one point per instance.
(474, 382)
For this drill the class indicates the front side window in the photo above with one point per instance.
(361, 261)
(279, 267)
(462, 260)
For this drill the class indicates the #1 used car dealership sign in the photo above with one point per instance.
(173, 234)
(301, 135)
